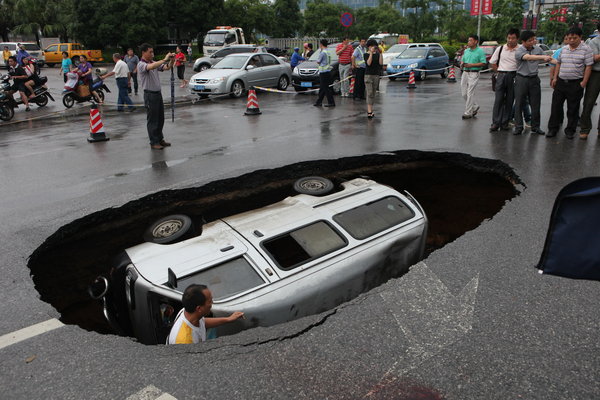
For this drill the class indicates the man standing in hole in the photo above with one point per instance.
(155, 111)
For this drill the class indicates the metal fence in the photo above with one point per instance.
(290, 43)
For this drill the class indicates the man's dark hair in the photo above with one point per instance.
(575, 31)
(310, 46)
(513, 31)
(324, 42)
(145, 46)
(129, 48)
(526, 35)
(474, 37)
(193, 297)
(13, 58)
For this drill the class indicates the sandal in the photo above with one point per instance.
(370, 115)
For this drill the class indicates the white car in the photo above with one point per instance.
(301, 256)
(397, 49)
(33, 49)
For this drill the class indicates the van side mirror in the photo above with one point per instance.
(249, 67)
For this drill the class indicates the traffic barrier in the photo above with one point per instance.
(411, 80)
(451, 75)
(96, 127)
(352, 86)
(252, 105)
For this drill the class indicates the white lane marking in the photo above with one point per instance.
(151, 392)
(26, 333)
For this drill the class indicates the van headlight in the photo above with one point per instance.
(296, 71)
(415, 65)
(217, 80)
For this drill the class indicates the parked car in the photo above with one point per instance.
(432, 58)
(203, 63)
(547, 50)
(397, 49)
(235, 73)
(54, 53)
(488, 48)
(32, 48)
(306, 74)
(303, 255)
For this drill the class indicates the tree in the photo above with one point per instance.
(385, 18)
(288, 17)
(421, 23)
(7, 21)
(193, 17)
(455, 22)
(507, 14)
(253, 16)
(323, 18)
(552, 29)
(61, 19)
(31, 17)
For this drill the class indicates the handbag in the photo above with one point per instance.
(495, 74)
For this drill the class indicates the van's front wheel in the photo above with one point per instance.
(170, 229)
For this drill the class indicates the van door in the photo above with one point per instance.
(53, 54)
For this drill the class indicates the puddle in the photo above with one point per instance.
(457, 191)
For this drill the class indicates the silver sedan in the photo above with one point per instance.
(236, 73)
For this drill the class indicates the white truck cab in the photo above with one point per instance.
(222, 36)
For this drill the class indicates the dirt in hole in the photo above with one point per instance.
(457, 191)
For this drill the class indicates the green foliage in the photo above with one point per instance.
(322, 18)
(455, 22)
(288, 17)
(507, 14)
(253, 16)
(385, 18)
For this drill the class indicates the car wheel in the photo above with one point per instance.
(237, 89)
(422, 75)
(6, 113)
(101, 95)
(203, 67)
(313, 185)
(444, 72)
(393, 78)
(170, 229)
(283, 83)
(69, 100)
(41, 100)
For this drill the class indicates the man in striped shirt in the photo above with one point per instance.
(570, 78)
(344, 51)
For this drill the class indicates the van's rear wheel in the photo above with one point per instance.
(313, 185)
(170, 229)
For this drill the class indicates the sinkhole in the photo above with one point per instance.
(457, 192)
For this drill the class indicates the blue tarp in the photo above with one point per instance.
(572, 247)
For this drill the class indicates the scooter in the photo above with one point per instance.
(9, 103)
(71, 94)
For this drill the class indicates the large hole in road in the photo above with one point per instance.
(457, 191)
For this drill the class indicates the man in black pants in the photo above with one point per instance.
(148, 73)
(325, 68)
(504, 64)
(359, 64)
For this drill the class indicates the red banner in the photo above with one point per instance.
(486, 7)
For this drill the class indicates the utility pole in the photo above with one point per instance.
(479, 20)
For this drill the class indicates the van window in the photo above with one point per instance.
(52, 48)
(226, 279)
(64, 47)
(297, 247)
(369, 219)
(31, 47)
(11, 46)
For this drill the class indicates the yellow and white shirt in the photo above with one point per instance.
(183, 331)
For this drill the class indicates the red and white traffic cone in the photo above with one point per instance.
(411, 80)
(96, 128)
(252, 105)
(451, 75)
(351, 85)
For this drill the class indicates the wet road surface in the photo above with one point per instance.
(501, 331)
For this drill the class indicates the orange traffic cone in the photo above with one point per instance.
(352, 85)
(96, 128)
(252, 105)
(451, 75)
(411, 80)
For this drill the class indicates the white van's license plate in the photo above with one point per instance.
(306, 84)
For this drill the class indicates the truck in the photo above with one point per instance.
(54, 52)
(222, 36)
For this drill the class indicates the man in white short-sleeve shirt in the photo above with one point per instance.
(504, 64)
(121, 73)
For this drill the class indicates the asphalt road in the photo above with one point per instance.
(475, 320)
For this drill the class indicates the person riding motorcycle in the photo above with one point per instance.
(19, 77)
(85, 69)
(33, 78)
(21, 54)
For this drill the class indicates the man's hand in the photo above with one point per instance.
(168, 57)
(553, 83)
(583, 84)
(235, 315)
(548, 59)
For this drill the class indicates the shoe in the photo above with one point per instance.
(551, 134)
(538, 131)
(569, 135)
(475, 111)
(494, 128)
(164, 144)
(527, 124)
(467, 116)
(511, 122)
(136, 93)
(329, 105)
(583, 135)
(518, 131)
(505, 128)
(27, 108)
(317, 105)
(370, 115)
(156, 147)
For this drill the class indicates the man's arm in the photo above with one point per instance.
(555, 77)
(586, 75)
(168, 60)
(214, 322)
(339, 49)
(495, 59)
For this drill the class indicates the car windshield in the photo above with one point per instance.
(231, 62)
(31, 47)
(397, 48)
(215, 39)
(413, 53)
(315, 55)
(488, 50)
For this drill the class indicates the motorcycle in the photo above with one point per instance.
(76, 91)
(9, 103)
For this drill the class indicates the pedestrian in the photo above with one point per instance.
(192, 322)
(573, 70)
(66, 65)
(504, 64)
(296, 58)
(324, 62)
(591, 91)
(555, 55)
(344, 52)
(17, 73)
(359, 64)
(473, 61)
(309, 50)
(180, 65)
(132, 61)
(121, 73)
(527, 82)
(374, 61)
(155, 111)
(5, 55)
(189, 52)
(21, 54)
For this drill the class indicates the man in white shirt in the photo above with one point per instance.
(504, 64)
(121, 73)
(191, 324)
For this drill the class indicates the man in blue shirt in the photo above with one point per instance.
(296, 58)
(325, 68)
(21, 54)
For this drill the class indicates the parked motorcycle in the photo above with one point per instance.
(8, 103)
(77, 91)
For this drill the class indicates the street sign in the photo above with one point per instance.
(346, 19)
(481, 7)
